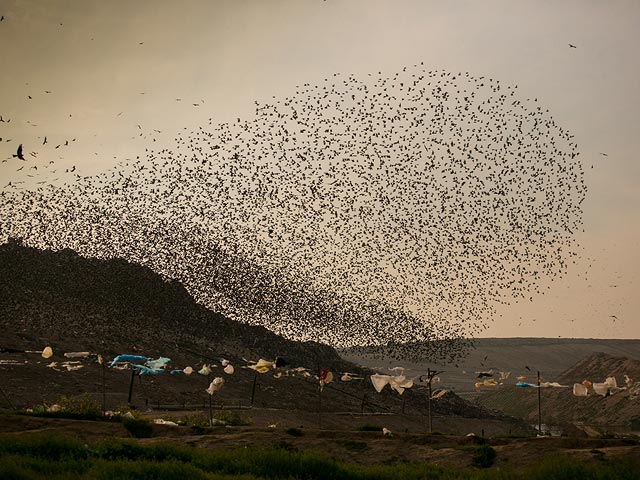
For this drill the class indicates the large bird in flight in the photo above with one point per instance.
(19, 153)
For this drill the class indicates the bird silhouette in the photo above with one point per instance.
(19, 153)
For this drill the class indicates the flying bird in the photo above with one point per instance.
(19, 153)
(572, 46)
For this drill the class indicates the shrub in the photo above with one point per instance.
(83, 406)
(138, 427)
(484, 456)
(232, 418)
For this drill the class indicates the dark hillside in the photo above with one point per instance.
(111, 307)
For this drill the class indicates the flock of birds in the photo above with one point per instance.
(392, 210)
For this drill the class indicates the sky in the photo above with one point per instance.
(115, 71)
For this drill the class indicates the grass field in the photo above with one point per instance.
(54, 457)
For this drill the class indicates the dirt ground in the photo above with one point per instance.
(362, 447)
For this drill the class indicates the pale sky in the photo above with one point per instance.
(113, 65)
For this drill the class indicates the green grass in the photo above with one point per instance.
(60, 458)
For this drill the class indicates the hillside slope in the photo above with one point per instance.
(111, 307)
(617, 412)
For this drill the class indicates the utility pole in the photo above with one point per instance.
(430, 375)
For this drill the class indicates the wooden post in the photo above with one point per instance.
(539, 408)
(104, 394)
(253, 389)
(133, 375)
(319, 407)
(210, 405)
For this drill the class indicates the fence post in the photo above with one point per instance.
(133, 373)
(253, 389)
(539, 408)
(319, 407)
(104, 394)
(210, 407)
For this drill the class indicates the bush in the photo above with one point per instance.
(82, 407)
(138, 427)
(232, 418)
(484, 456)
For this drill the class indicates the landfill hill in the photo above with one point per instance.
(111, 306)
(615, 413)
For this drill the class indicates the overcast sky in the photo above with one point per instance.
(113, 65)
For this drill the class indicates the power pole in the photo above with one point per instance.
(430, 375)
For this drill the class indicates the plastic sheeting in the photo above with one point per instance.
(399, 383)
(486, 383)
(552, 385)
(76, 354)
(144, 370)
(524, 385)
(325, 377)
(262, 366)
(215, 385)
(128, 358)
(579, 390)
(158, 362)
